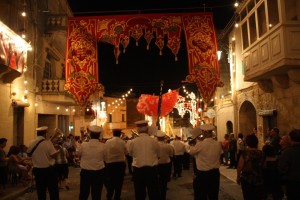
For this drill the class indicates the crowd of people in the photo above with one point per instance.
(153, 160)
(273, 171)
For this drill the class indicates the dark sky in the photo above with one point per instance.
(139, 68)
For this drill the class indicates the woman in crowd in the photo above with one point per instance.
(249, 170)
(62, 166)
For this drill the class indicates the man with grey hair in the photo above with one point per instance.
(207, 155)
(145, 152)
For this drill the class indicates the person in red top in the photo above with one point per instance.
(225, 147)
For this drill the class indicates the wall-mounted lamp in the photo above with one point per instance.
(19, 103)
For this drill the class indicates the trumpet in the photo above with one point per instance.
(58, 137)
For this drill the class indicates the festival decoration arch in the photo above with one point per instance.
(84, 33)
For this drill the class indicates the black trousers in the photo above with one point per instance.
(206, 184)
(46, 179)
(62, 171)
(129, 163)
(145, 179)
(292, 190)
(115, 177)
(91, 180)
(164, 177)
(177, 163)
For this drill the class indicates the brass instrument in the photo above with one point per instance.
(134, 133)
(58, 137)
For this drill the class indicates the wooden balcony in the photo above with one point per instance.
(275, 58)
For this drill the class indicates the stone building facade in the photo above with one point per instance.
(264, 59)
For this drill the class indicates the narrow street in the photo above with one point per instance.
(178, 189)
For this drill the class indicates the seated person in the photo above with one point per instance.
(16, 164)
(23, 154)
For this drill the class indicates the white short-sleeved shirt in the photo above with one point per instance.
(91, 155)
(41, 157)
(207, 154)
(115, 150)
(165, 152)
(179, 147)
(144, 151)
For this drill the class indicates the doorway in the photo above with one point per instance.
(247, 118)
(18, 125)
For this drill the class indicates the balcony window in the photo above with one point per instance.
(245, 35)
(243, 14)
(252, 28)
(291, 8)
(262, 24)
(273, 13)
(250, 5)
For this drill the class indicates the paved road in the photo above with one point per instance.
(179, 189)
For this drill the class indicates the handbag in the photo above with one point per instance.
(33, 149)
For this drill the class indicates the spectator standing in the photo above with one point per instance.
(128, 156)
(166, 152)
(145, 153)
(3, 165)
(274, 140)
(232, 151)
(92, 165)
(77, 145)
(254, 131)
(271, 178)
(225, 148)
(284, 143)
(62, 166)
(207, 156)
(70, 145)
(43, 156)
(240, 146)
(115, 159)
(249, 170)
(179, 149)
(289, 165)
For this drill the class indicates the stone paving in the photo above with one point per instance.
(178, 189)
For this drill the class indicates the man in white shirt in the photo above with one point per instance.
(115, 155)
(145, 153)
(207, 155)
(164, 162)
(179, 148)
(43, 156)
(92, 165)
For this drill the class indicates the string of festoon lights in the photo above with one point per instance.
(23, 35)
(118, 102)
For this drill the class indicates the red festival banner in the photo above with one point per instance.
(84, 32)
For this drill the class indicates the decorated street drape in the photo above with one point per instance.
(85, 32)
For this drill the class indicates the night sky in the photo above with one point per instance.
(139, 68)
